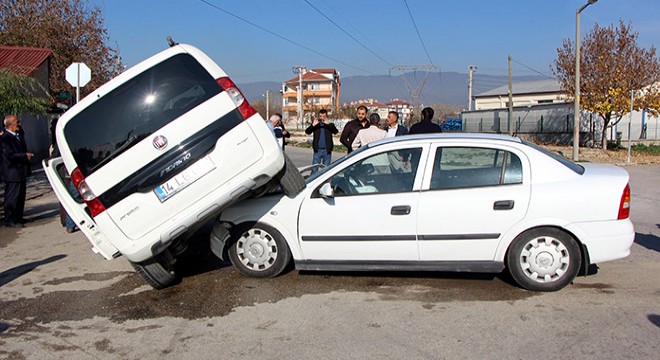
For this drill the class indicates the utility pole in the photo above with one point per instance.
(510, 96)
(300, 70)
(576, 105)
(267, 104)
(471, 69)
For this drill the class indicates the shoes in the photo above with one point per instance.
(71, 231)
(14, 225)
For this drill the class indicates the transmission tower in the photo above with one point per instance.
(414, 91)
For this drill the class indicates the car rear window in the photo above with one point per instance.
(564, 161)
(136, 109)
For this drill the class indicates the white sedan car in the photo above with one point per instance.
(445, 202)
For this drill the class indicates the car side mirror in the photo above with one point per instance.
(326, 191)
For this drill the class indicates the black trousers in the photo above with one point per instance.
(14, 201)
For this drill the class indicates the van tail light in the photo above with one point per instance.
(93, 203)
(624, 206)
(237, 97)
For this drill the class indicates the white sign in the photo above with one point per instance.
(78, 74)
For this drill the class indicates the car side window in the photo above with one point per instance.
(387, 172)
(460, 167)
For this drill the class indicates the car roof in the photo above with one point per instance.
(448, 136)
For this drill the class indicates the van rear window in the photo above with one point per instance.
(136, 109)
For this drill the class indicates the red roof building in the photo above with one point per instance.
(320, 90)
(23, 60)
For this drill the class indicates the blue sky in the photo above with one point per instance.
(456, 33)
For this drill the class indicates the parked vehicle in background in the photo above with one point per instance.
(441, 202)
(159, 150)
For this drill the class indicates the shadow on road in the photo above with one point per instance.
(654, 319)
(18, 271)
(648, 241)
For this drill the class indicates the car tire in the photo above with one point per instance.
(290, 179)
(258, 250)
(157, 271)
(544, 259)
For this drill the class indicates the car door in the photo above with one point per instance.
(472, 196)
(372, 215)
(55, 170)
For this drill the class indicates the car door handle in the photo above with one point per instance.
(503, 205)
(400, 210)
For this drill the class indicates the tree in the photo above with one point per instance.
(72, 29)
(22, 94)
(612, 65)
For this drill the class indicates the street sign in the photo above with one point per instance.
(78, 74)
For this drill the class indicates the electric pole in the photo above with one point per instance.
(471, 69)
(510, 97)
(300, 70)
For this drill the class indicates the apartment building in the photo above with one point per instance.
(320, 90)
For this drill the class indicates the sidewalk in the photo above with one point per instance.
(37, 185)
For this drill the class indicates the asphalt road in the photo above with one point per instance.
(59, 300)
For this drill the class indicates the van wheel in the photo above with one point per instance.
(157, 271)
(290, 180)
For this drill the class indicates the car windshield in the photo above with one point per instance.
(564, 161)
(136, 109)
(335, 164)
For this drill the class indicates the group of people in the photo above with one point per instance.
(15, 167)
(361, 131)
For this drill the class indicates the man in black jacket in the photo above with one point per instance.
(322, 142)
(426, 126)
(352, 127)
(15, 164)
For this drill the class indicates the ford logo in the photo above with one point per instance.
(160, 142)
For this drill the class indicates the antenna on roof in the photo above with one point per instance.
(171, 42)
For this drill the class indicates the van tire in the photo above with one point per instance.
(155, 272)
(290, 179)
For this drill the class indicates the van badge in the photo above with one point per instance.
(160, 142)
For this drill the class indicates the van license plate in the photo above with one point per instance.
(185, 178)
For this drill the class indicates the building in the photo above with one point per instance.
(35, 63)
(523, 94)
(320, 90)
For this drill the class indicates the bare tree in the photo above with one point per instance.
(612, 66)
(73, 29)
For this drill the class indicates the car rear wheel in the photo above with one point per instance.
(259, 251)
(544, 259)
(290, 179)
(157, 271)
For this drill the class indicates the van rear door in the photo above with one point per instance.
(100, 243)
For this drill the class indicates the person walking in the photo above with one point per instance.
(15, 168)
(426, 126)
(351, 128)
(372, 133)
(322, 142)
(393, 126)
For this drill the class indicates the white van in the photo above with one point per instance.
(159, 150)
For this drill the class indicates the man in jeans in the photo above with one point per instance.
(322, 143)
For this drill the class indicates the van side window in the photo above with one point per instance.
(461, 167)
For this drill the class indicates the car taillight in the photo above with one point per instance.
(624, 206)
(93, 203)
(237, 97)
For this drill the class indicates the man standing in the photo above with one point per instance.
(322, 142)
(352, 127)
(15, 169)
(274, 125)
(393, 127)
(426, 126)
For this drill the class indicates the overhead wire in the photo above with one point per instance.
(418, 34)
(284, 38)
(534, 70)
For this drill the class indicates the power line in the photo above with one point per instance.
(534, 70)
(284, 38)
(418, 34)
(347, 33)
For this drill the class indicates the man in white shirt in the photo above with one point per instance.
(372, 133)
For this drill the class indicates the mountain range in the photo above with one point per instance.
(440, 88)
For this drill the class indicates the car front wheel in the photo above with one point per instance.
(157, 271)
(544, 259)
(259, 251)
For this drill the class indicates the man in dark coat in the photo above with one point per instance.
(15, 164)
(322, 143)
(426, 126)
(352, 127)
